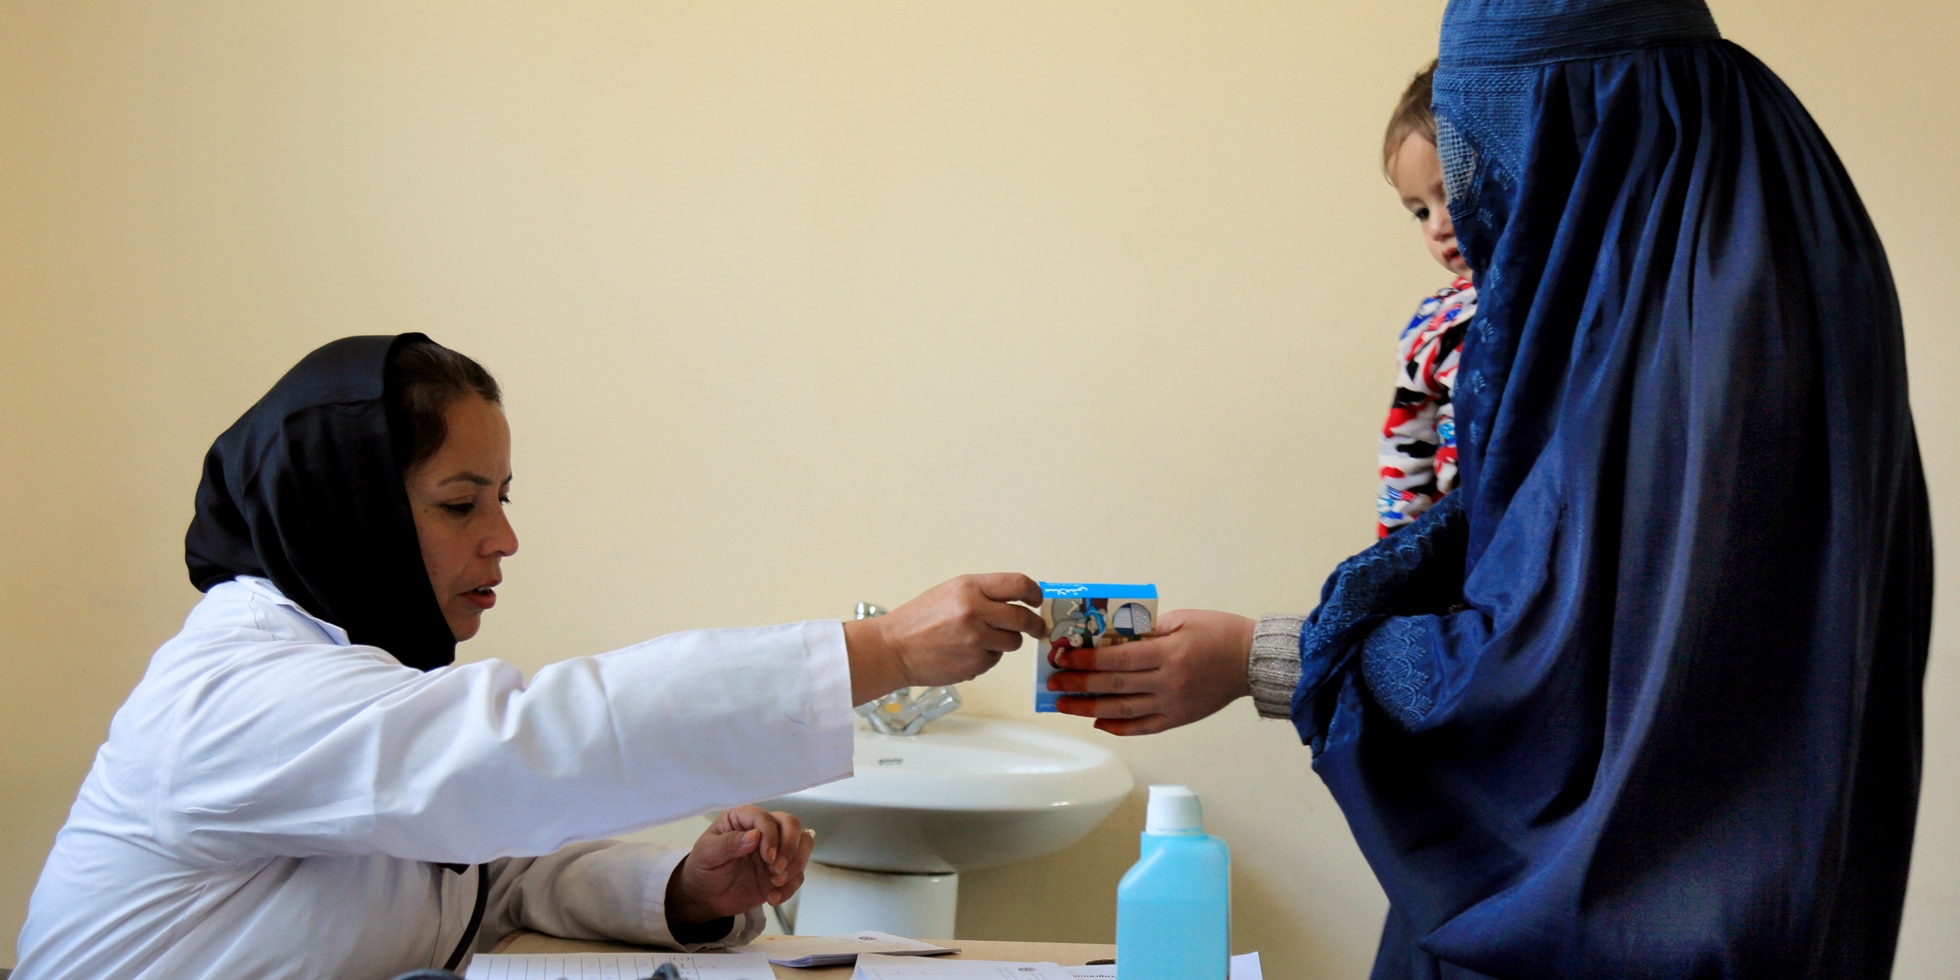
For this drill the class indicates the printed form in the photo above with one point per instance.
(839, 950)
(874, 966)
(615, 966)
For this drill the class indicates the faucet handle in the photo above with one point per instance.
(932, 704)
(877, 710)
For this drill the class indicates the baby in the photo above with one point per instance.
(1418, 447)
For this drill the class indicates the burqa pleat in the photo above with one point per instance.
(1643, 697)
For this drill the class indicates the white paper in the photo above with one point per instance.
(839, 950)
(615, 966)
(874, 966)
(1245, 966)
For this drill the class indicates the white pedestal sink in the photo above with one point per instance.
(967, 793)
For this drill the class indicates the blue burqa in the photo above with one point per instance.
(1643, 697)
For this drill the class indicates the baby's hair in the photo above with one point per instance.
(1412, 115)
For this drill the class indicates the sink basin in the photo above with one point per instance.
(967, 793)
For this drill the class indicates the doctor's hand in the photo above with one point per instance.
(953, 632)
(1194, 665)
(748, 856)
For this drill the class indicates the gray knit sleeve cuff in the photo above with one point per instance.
(1274, 667)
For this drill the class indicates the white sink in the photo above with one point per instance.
(967, 793)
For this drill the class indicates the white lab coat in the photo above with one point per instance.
(273, 801)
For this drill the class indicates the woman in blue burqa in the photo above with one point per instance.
(1643, 697)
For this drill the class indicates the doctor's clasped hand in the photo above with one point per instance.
(748, 856)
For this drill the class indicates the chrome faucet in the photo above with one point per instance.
(900, 712)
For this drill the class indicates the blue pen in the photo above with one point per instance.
(667, 971)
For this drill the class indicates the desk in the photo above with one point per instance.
(1067, 954)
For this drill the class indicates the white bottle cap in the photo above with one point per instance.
(1173, 810)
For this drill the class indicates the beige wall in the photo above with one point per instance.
(801, 304)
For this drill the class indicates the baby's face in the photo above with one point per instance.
(1417, 173)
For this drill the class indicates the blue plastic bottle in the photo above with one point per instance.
(1174, 907)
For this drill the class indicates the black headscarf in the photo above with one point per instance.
(306, 489)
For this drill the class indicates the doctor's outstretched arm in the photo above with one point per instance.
(477, 761)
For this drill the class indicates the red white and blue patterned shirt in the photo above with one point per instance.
(1418, 447)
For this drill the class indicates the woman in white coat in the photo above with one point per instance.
(305, 785)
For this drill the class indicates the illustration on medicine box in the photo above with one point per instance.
(1084, 614)
(1088, 622)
